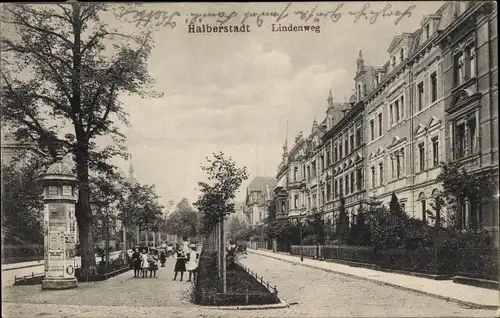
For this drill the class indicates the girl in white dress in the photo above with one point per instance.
(192, 262)
(144, 263)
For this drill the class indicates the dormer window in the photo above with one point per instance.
(402, 55)
(393, 61)
(427, 31)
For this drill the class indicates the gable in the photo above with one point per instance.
(433, 122)
(420, 129)
(395, 41)
(396, 141)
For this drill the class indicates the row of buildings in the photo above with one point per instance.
(435, 100)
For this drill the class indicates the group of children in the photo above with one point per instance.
(146, 259)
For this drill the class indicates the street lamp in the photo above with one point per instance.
(301, 221)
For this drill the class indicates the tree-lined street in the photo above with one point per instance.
(311, 293)
(393, 184)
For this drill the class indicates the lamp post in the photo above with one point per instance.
(60, 195)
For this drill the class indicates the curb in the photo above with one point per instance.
(281, 305)
(472, 305)
(23, 266)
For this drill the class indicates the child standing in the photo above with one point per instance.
(136, 262)
(180, 263)
(144, 263)
(192, 263)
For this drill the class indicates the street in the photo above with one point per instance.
(311, 293)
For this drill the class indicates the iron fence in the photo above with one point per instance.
(477, 263)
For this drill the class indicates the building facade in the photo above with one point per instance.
(435, 100)
(469, 44)
(258, 197)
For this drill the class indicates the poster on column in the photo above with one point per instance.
(70, 243)
(55, 267)
(46, 238)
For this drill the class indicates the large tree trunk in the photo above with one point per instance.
(84, 214)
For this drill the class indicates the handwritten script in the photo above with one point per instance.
(319, 13)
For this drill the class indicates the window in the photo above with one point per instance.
(393, 166)
(465, 137)
(420, 96)
(322, 163)
(402, 207)
(352, 142)
(336, 154)
(391, 115)
(472, 62)
(328, 156)
(322, 197)
(341, 186)
(399, 164)
(465, 65)
(308, 173)
(328, 191)
(427, 31)
(340, 150)
(402, 55)
(296, 201)
(308, 202)
(380, 124)
(359, 136)
(435, 152)
(381, 174)
(359, 177)
(347, 184)
(373, 177)
(313, 168)
(434, 91)
(346, 143)
(402, 106)
(352, 182)
(396, 110)
(423, 208)
(336, 188)
(295, 174)
(372, 130)
(421, 154)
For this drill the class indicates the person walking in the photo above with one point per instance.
(192, 262)
(136, 261)
(180, 263)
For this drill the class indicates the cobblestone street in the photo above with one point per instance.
(317, 294)
(321, 293)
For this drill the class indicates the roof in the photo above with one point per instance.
(259, 184)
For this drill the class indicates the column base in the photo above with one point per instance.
(59, 283)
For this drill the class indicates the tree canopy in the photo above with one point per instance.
(218, 192)
(184, 221)
(63, 72)
(22, 205)
(140, 207)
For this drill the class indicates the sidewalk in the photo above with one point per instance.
(444, 289)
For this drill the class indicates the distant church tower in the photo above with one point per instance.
(130, 177)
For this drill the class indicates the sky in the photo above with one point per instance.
(245, 93)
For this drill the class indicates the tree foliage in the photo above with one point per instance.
(63, 72)
(219, 191)
(457, 182)
(105, 194)
(184, 221)
(22, 205)
(238, 230)
(140, 207)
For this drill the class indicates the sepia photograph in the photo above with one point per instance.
(253, 159)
